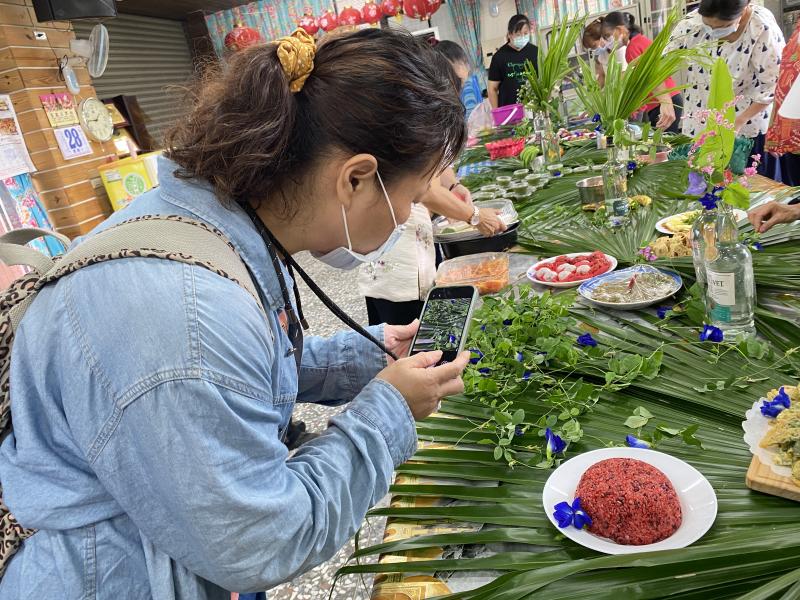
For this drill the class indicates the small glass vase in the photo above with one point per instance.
(547, 140)
(703, 235)
(615, 186)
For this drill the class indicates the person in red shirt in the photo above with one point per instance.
(620, 29)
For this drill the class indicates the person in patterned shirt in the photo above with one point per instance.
(750, 41)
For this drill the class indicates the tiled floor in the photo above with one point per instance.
(342, 288)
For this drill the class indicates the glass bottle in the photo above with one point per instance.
(731, 288)
(702, 236)
(548, 143)
(615, 186)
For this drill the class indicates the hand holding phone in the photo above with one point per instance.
(422, 383)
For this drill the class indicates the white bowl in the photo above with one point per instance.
(697, 498)
(585, 290)
(566, 284)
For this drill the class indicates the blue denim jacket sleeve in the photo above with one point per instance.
(213, 488)
(335, 369)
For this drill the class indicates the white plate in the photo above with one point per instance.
(697, 498)
(585, 290)
(566, 284)
(661, 225)
(755, 428)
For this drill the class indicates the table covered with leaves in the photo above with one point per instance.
(467, 518)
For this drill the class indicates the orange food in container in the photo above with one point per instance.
(487, 271)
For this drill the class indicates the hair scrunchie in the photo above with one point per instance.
(296, 53)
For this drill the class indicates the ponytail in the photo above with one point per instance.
(616, 19)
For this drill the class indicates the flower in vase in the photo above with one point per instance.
(697, 184)
(709, 201)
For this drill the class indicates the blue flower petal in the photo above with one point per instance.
(596, 118)
(587, 340)
(483, 327)
(634, 442)
(782, 398)
(555, 445)
(484, 371)
(661, 311)
(631, 165)
(581, 520)
(507, 322)
(757, 246)
(697, 184)
(519, 356)
(711, 334)
(451, 339)
(518, 430)
(768, 409)
(527, 375)
(563, 514)
(709, 201)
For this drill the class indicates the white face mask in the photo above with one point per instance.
(717, 33)
(347, 258)
(520, 41)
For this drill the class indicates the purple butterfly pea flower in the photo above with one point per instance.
(662, 311)
(711, 334)
(709, 201)
(634, 442)
(555, 445)
(697, 184)
(566, 515)
(587, 340)
(475, 359)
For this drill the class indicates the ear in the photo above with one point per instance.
(356, 178)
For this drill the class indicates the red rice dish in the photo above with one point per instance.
(629, 501)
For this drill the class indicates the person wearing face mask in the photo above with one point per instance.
(603, 49)
(395, 286)
(620, 30)
(146, 449)
(508, 63)
(747, 37)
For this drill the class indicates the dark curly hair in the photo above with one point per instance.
(373, 91)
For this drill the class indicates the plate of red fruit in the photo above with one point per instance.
(569, 270)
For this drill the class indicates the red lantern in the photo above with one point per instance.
(309, 23)
(421, 9)
(241, 37)
(349, 17)
(390, 8)
(370, 13)
(328, 21)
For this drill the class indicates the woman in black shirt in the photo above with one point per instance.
(508, 63)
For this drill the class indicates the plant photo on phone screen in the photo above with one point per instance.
(442, 325)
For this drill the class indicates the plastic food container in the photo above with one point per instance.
(483, 196)
(508, 115)
(521, 172)
(490, 188)
(503, 179)
(487, 271)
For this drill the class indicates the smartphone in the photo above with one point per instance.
(445, 320)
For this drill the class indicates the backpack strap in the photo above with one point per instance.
(168, 237)
(13, 250)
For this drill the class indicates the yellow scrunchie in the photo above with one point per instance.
(296, 53)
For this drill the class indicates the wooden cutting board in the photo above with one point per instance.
(761, 478)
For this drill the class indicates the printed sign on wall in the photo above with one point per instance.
(72, 142)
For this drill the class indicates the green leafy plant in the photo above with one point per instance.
(543, 80)
(626, 91)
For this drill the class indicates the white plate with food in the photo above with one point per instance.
(668, 503)
(632, 288)
(570, 270)
(773, 440)
(684, 221)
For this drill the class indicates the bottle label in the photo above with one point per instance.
(722, 288)
(721, 314)
(619, 207)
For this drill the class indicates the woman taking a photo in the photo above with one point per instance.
(749, 40)
(149, 396)
(395, 286)
(619, 30)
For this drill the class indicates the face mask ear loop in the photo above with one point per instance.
(346, 230)
(386, 195)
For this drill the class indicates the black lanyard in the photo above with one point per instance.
(272, 245)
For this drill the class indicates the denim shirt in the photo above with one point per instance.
(149, 398)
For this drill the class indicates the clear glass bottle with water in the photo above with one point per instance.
(615, 186)
(702, 236)
(731, 290)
